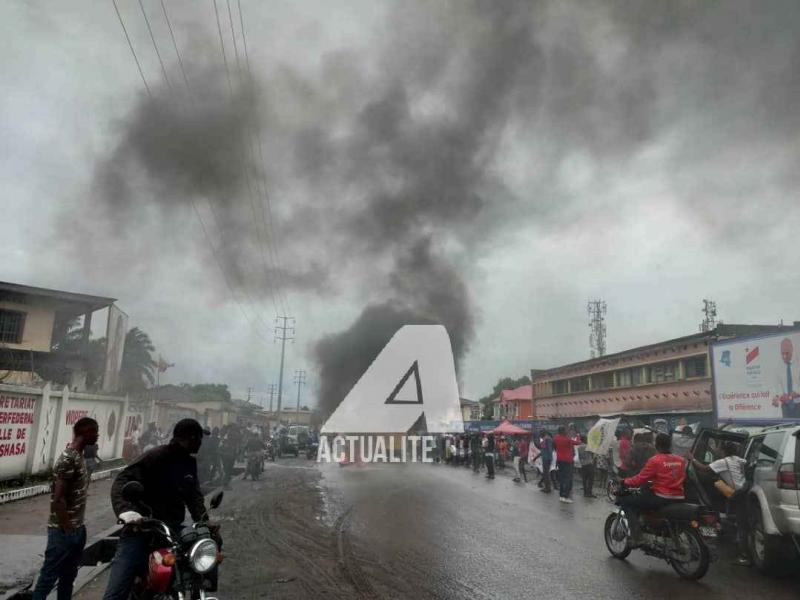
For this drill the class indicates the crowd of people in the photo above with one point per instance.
(633, 459)
(553, 459)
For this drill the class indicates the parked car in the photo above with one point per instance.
(773, 500)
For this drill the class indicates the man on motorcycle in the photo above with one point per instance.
(254, 449)
(666, 472)
(169, 476)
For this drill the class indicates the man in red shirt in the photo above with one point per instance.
(522, 455)
(624, 451)
(565, 454)
(666, 472)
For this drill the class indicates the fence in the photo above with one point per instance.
(36, 424)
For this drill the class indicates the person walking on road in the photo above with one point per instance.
(546, 446)
(565, 455)
(522, 459)
(502, 452)
(587, 468)
(66, 532)
(490, 450)
(475, 451)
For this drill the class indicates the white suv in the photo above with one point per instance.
(774, 498)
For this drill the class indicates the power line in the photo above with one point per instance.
(191, 199)
(133, 52)
(210, 204)
(250, 143)
(152, 37)
(247, 133)
(177, 53)
(272, 237)
(222, 45)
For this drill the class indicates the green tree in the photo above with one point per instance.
(138, 366)
(208, 392)
(506, 383)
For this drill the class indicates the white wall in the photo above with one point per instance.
(36, 424)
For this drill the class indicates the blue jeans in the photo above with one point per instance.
(61, 561)
(564, 479)
(129, 561)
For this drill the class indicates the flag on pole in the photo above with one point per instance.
(601, 435)
(163, 365)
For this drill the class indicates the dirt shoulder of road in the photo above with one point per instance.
(277, 542)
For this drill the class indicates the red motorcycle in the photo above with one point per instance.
(182, 565)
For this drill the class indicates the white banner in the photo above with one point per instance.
(601, 435)
(757, 379)
(115, 347)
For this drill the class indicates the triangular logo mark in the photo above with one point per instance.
(408, 391)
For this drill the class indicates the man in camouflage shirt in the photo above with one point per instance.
(66, 533)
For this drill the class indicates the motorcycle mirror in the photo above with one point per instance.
(216, 499)
(132, 491)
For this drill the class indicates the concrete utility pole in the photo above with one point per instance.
(710, 314)
(597, 326)
(272, 388)
(300, 380)
(283, 332)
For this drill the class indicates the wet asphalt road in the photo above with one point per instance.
(440, 531)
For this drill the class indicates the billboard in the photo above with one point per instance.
(757, 379)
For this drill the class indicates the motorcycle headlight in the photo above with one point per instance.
(203, 556)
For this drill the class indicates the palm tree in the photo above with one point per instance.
(138, 367)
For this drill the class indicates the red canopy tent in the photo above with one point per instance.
(508, 428)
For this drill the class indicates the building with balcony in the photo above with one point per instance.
(31, 319)
(668, 381)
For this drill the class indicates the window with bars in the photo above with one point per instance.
(695, 366)
(602, 381)
(579, 384)
(663, 372)
(11, 325)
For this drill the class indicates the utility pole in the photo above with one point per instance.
(272, 389)
(249, 392)
(283, 332)
(597, 326)
(710, 315)
(300, 380)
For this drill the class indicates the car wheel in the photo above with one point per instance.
(765, 549)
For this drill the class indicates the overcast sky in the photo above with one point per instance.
(488, 165)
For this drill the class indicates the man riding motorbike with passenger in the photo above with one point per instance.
(169, 476)
(666, 472)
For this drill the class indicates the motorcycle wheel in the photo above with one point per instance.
(698, 556)
(618, 548)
